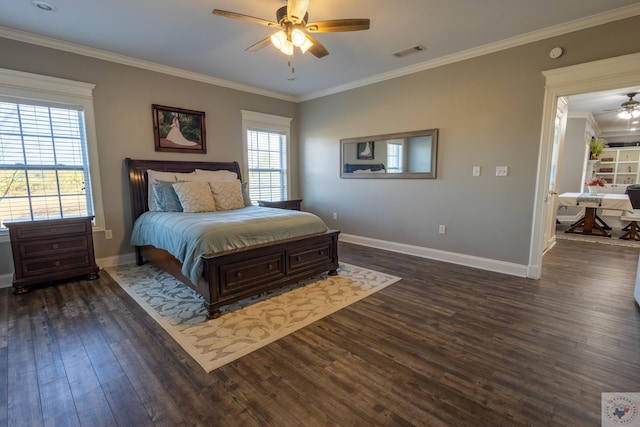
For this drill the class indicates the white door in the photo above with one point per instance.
(551, 198)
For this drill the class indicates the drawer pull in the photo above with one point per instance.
(54, 246)
(57, 263)
(270, 267)
(238, 275)
(54, 231)
(320, 252)
(298, 258)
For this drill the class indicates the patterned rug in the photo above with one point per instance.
(249, 324)
(616, 231)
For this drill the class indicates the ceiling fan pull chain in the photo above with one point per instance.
(292, 68)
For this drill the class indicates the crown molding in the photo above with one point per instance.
(534, 36)
(52, 43)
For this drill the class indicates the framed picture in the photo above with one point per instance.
(365, 150)
(178, 130)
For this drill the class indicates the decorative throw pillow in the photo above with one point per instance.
(245, 194)
(218, 175)
(227, 194)
(165, 196)
(153, 176)
(195, 196)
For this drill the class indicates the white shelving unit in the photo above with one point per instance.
(619, 167)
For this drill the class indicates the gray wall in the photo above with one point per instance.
(122, 99)
(489, 112)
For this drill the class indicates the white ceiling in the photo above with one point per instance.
(184, 38)
(604, 107)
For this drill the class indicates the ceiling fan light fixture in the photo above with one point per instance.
(629, 114)
(298, 37)
(287, 48)
(278, 39)
(306, 45)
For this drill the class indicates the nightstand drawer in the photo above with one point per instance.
(48, 231)
(48, 250)
(51, 266)
(45, 248)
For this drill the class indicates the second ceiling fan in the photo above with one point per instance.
(294, 28)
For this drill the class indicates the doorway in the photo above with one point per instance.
(594, 76)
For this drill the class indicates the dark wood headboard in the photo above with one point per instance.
(138, 176)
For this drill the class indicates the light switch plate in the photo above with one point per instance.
(502, 170)
(476, 171)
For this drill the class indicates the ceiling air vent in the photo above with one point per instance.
(410, 51)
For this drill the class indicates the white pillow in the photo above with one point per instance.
(195, 196)
(219, 175)
(152, 177)
(185, 176)
(227, 194)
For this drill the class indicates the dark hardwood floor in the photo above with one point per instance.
(445, 346)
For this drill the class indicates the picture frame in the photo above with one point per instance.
(178, 130)
(366, 150)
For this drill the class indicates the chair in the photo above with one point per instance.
(633, 230)
(635, 205)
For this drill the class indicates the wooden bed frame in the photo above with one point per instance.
(233, 275)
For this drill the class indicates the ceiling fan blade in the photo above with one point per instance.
(262, 43)
(338, 25)
(246, 18)
(296, 9)
(317, 49)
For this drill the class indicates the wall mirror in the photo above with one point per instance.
(395, 155)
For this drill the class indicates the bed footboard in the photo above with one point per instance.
(244, 273)
(237, 275)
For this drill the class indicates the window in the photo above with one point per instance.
(394, 157)
(266, 156)
(46, 136)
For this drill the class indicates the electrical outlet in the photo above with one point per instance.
(108, 234)
(335, 215)
(502, 170)
(442, 229)
(476, 171)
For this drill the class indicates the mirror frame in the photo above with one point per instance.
(406, 175)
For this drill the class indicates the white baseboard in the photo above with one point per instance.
(436, 254)
(114, 261)
(6, 280)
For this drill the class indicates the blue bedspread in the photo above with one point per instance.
(188, 236)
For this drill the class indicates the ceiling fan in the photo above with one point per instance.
(629, 109)
(294, 28)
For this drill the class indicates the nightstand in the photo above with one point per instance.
(293, 204)
(50, 250)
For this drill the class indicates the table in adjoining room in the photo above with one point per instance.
(591, 223)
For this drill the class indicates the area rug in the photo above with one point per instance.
(249, 324)
(616, 231)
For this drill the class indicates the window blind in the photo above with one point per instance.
(44, 163)
(267, 164)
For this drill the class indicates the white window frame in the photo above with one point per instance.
(268, 122)
(400, 157)
(79, 95)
